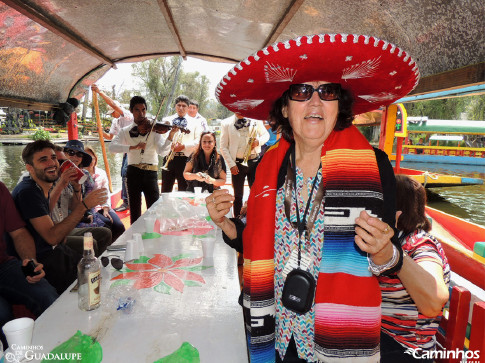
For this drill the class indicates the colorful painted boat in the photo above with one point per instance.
(434, 180)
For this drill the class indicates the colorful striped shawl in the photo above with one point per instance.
(347, 298)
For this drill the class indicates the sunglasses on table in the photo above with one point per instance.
(303, 92)
(72, 153)
(116, 261)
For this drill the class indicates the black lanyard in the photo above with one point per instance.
(301, 225)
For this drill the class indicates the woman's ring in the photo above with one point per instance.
(386, 229)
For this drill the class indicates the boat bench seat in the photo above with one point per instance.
(452, 332)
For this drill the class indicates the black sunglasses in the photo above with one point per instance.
(70, 152)
(303, 92)
(116, 262)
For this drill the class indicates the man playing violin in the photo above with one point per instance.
(185, 143)
(143, 142)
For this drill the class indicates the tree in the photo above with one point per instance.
(158, 77)
(470, 107)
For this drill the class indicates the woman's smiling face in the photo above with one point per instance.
(312, 120)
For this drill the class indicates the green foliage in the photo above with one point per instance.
(41, 135)
(471, 107)
(158, 77)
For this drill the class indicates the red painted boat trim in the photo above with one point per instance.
(467, 233)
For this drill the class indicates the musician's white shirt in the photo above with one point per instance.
(191, 140)
(155, 144)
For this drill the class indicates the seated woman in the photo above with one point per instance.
(206, 167)
(412, 299)
(107, 215)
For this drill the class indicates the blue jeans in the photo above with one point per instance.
(14, 289)
(124, 167)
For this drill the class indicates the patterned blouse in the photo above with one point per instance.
(289, 323)
(400, 317)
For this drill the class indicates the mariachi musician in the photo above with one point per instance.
(185, 143)
(142, 141)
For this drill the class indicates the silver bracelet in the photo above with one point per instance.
(379, 269)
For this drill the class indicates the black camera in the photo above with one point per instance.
(298, 291)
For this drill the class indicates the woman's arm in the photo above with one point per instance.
(424, 282)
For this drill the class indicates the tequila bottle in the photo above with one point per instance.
(89, 277)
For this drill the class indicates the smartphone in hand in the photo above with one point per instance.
(29, 269)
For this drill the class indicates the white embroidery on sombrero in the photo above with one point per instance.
(365, 69)
(303, 56)
(247, 61)
(297, 41)
(385, 45)
(392, 73)
(233, 95)
(265, 51)
(287, 44)
(383, 96)
(246, 104)
(256, 57)
(233, 71)
(309, 39)
(398, 87)
(393, 48)
(356, 38)
(366, 39)
(274, 73)
(275, 47)
(321, 38)
(376, 42)
(239, 66)
(344, 38)
(250, 80)
(332, 38)
(406, 58)
(348, 58)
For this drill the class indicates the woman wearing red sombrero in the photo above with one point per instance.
(320, 212)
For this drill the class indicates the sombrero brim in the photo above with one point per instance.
(376, 72)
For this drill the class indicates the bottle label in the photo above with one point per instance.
(94, 285)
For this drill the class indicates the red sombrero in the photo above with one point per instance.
(376, 72)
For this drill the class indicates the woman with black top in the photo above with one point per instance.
(205, 167)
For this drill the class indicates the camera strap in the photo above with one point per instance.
(302, 226)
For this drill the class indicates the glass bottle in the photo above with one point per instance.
(89, 277)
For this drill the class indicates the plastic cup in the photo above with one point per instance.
(19, 335)
(131, 251)
(80, 176)
(198, 190)
(139, 243)
(150, 224)
(208, 247)
(208, 241)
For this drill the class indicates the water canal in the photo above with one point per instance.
(466, 202)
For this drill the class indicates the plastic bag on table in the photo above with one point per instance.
(187, 353)
(176, 214)
(121, 297)
(78, 347)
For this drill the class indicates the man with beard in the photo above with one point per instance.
(31, 198)
(142, 144)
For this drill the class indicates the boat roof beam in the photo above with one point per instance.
(283, 22)
(167, 13)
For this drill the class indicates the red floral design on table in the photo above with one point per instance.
(164, 273)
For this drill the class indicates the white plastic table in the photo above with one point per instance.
(204, 313)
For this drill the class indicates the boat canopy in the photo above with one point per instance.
(446, 137)
(51, 50)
